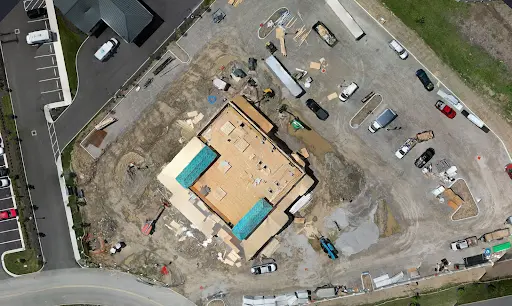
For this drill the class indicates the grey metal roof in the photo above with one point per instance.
(126, 17)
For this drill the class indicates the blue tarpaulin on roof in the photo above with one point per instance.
(252, 219)
(196, 167)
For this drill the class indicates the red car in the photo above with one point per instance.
(8, 214)
(445, 109)
(508, 169)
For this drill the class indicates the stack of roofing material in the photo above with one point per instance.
(196, 167)
(252, 219)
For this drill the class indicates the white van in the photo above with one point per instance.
(106, 49)
(348, 91)
(397, 47)
(39, 37)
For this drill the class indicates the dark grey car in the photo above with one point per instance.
(320, 113)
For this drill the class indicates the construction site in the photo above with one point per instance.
(228, 169)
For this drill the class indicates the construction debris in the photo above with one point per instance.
(280, 36)
(304, 152)
(299, 220)
(332, 96)
(315, 65)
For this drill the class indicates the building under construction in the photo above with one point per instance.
(232, 181)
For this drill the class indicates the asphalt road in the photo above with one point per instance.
(85, 286)
(98, 81)
(502, 301)
(6, 7)
(24, 80)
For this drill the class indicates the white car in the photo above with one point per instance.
(459, 245)
(2, 151)
(264, 268)
(397, 47)
(4, 182)
(106, 49)
(406, 147)
(348, 91)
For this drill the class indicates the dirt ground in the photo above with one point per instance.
(369, 206)
(489, 25)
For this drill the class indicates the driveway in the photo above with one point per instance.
(99, 81)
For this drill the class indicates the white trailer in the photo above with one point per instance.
(284, 76)
(346, 18)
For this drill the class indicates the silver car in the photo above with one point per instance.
(264, 268)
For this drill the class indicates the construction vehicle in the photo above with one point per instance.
(149, 227)
(328, 247)
(268, 93)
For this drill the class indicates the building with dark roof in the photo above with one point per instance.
(125, 17)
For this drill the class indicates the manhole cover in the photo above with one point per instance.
(34, 133)
(16, 31)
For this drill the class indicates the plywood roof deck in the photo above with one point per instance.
(249, 167)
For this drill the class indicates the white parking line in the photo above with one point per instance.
(51, 48)
(6, 198)
(1, 221)
(37, 20)
(11, 230)
(48, 80)
(57, 82)
(50, 91)
(10, 241)
(44, 55)
(45, 67)
(54, 72)
(53, 60)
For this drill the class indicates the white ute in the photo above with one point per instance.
(348, 91)
(106, 49)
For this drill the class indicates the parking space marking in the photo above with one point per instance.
(33, 4)
(37, 20)
(11, 230)
(54, 71)
(41, 68)
(51, 48)
(2, 221)
(10, 241)
(43, 55)
(50, 91)
(6, 198)
(48, 80)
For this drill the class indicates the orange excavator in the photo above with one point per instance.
(149, 227)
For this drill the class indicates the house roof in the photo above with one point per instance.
(126, 17)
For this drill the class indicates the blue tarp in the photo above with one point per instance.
(196, 167)
(252, 219)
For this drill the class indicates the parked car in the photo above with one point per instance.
(2, 151)
(406, 147)
(36, 13)
(464, 244)
(107, 49)
(508, 169)
(424, 158)
(397, 47)
(8, 214)
(445, 109)
(385, 118)
(423, 77)
(264, 268)
(320, 113)
(348, 91)
(4, 182)
(4, 171)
